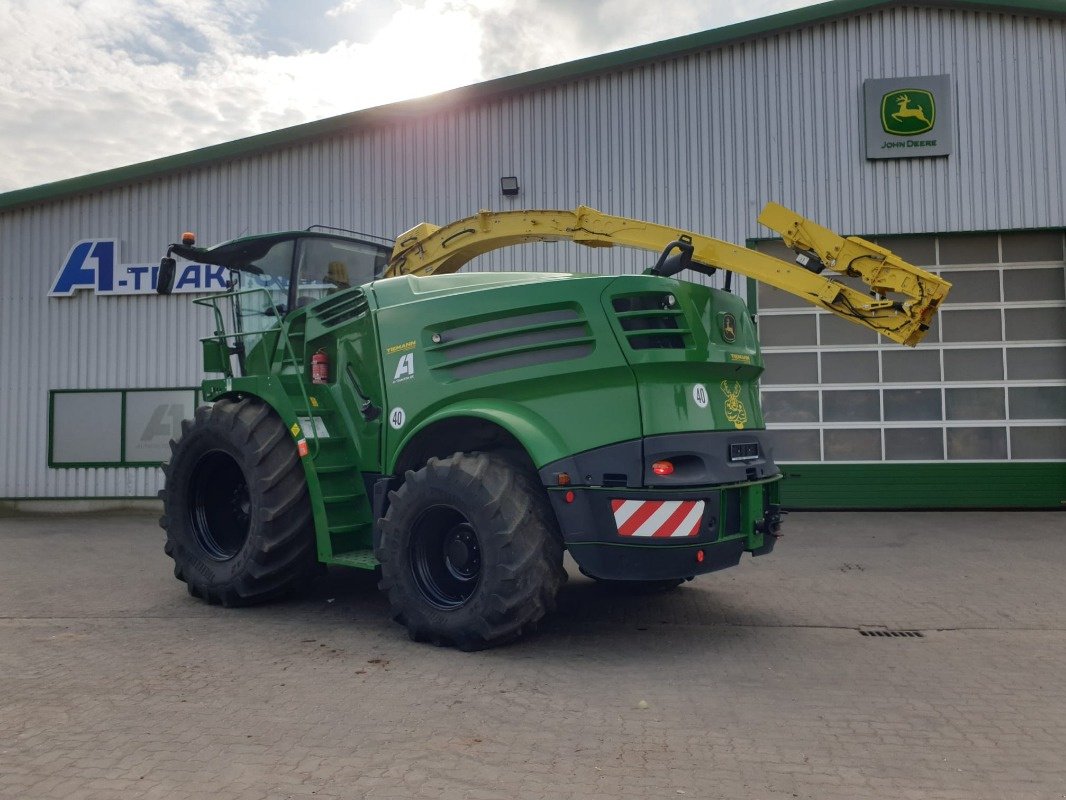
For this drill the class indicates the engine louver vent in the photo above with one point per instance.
(341, 308)
(523, 340)
(650, 321)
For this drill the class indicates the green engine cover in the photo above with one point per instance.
(566, 363)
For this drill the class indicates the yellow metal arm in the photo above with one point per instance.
(428, 249)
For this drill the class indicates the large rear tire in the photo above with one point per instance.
(470, 552)
(235, 506)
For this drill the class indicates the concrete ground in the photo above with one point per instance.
(751, 683)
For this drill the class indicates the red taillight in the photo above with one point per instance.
(699, 556)
(570, 496)
(662, 468)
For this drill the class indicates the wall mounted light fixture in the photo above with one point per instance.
(509, 185)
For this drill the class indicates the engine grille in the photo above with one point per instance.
(651, 321)
(341, 308)
(522, 340)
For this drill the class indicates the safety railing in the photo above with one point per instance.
(288, 353)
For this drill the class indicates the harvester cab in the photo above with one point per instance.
(276, 273)
(460, 431)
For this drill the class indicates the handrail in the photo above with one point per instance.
(288, 353)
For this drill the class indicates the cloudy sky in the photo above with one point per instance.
(87, 85)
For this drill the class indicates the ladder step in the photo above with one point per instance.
(346, 528)
(334, 468)
(364, 559)
(340, 498)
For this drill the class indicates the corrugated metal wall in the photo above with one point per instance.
(700, 141)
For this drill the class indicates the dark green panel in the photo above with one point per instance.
(900, 486)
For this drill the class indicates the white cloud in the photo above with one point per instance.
(347, 7)
(87, 85)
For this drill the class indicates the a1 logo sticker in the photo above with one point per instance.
(699, 395)
(405, 368)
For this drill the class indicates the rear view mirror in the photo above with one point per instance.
(164, 283)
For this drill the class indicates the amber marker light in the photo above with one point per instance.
(562, 478)
(188, 238)
(662, 468)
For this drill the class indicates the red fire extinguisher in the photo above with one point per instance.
(320, 367)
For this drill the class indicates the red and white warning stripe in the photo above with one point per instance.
(658, 518)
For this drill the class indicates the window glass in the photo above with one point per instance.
(1038, 442)
(1034, 284)
(971, 325)
(1038, 402)
(1036, 363)
(972, 285)
(839, 331)
(1032, 246)
(912, 404)
(918, 250)
(849, 367)
(853, 445)
(914, 444)
(787, 329)
(796, 445)
(331, 265)
(853, 406)
(260, 310)
(1026, 324)
(771, 297)
(977, 443)
(790, 406)
(974, 403)
(980, 248)
(985, 364)
(910, 366)
(789, 368)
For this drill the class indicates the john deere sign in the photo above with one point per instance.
(899, 118)
(908, 117)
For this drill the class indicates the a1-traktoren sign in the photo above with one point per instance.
(93, 264)
(908, 117)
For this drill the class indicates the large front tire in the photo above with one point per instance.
(235, 506)
(470, 552)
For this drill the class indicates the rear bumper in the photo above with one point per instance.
(620, 521)
(625, 534)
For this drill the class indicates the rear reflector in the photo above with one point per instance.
(658, 518)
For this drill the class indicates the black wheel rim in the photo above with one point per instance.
(219, 505)
(445, 557)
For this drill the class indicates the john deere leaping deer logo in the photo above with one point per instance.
(908, 112)
(728, 325)
(734, 408)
